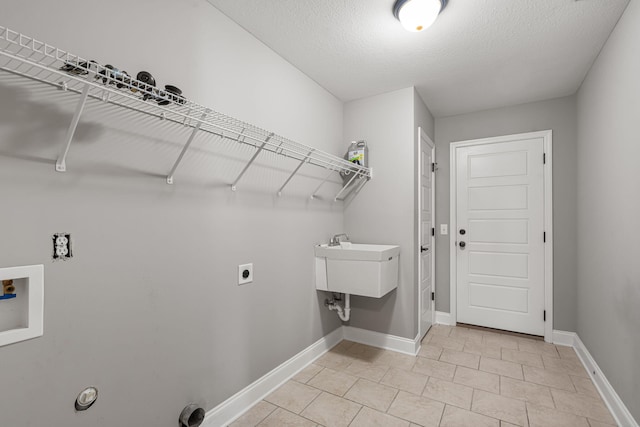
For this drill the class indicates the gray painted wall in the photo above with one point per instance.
(149, 310)
(383, 212)
(609, 210)
(558, 115)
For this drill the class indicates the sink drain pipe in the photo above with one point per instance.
(343, 313)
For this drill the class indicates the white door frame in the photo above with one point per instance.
(423, 135)
(548, 220)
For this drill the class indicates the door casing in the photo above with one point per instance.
(547, 137)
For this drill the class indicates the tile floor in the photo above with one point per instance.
(462, 377)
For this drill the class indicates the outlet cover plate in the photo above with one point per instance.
(245, 274)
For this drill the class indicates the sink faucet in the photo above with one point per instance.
(335, 240)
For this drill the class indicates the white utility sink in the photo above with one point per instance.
(357, 269)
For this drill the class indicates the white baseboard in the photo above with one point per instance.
(617, 407)
(443, 318)
(239, 403)
(380, 340)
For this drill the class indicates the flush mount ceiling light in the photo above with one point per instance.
(416, 15)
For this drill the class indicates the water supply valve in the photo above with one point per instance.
(8, 290)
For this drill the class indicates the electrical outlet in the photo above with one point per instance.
(245, 274)
(62, 246)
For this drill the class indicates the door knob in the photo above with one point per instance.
(423, 249)
(463, 231)
(463, 244)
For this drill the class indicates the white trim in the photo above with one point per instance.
(616, 406)
(380, 340)
(547, 137)
(423, 135)
(239, 403)
(443, 318)
(34, 275)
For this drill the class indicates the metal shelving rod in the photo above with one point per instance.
(186, 147)
(355, 175)
(233, 186)
(315, 193)
(61, 163)
(295, 171)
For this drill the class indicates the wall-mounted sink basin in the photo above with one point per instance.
(357, 269)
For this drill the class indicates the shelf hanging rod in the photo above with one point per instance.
(355, 175)
(295, 171)
(61, 163)
(233, 186)
(315, 193)
(186, 147)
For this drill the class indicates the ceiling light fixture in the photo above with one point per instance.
(417, 15)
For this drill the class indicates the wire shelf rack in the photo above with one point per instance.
(35, 60)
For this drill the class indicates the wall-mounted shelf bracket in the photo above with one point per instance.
(61, 163)
(295, 171)
(253, 158)
(355, 175)
(186, 146)
(315, 193)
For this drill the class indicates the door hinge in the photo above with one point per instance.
(544, 315)
(544, 237)
(433, 296)
(433, 231)
(544, 158)
(433, 167)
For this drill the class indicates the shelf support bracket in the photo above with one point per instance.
(295, 171)
(315, 193)
(61, 163)
(233, 186)
(186, 147)
(355, 175)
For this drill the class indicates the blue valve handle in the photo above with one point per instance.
(7, 296)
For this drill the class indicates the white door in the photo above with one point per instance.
(500, 235)
(426, 213)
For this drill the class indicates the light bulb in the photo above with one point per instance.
(416, 15)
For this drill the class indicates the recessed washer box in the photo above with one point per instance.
(22, 317)
(357, 269)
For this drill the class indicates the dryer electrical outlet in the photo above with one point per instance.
(245, 274)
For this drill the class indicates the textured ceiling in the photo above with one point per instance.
(480, 54)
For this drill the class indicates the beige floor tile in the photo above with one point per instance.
(434, 368)
(493, 351)
(334, 360)
(469, 335)
(282, 418)
(417, 409)
(582, 405)
(568, 366)
(371, 394)
(506, 424)
(343, 346)
(522, 357)
(594, 423)
(330, 410)
(430, 351)
(501, 367)
(566, 352)
(397, 360)
(585, 386)
(460, 358)
(368, 417)
(530, 392)
(503, 341)
(307, 373)
(442, 330)
(492, 405)
(293, 396)
(477, 379)
(364, 353)
(449, 393)
(456, 417)
(255, 415)
(540, 416)
(367, 370)
(548, 378)
(538, 347)
(334, 382)
(447, 342)
(411, 382)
